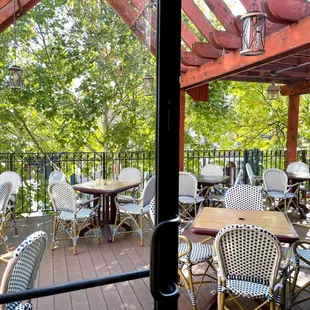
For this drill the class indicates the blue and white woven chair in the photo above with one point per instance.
(5, 194)
(21, 270)
(57, 175)
(134, 213)
(15, 179)
(71, 217)
(277, 190)
(244, 197)
(249, 259)
(129, 174)
(189, 198)
(253, 179)
(191, 254)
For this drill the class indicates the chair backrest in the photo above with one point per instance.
(14, 178)
(244, 197)
(57, 175)
(187, 184)
(152, 210)
(275, 180)
(21, 270)
(5, 194)
(212, 169)
(239, 178)
(248, 252)
(148, 191)
(250, 173)
(297, 167)
(129, 174)
(63, 197)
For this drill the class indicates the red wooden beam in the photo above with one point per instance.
(206, 50)
(197, 17)
(190, 59)
(223, 39)
(289, 40)
(295, 89)
(182, 129)
(188, 36)
(222, 13)
(199, 93)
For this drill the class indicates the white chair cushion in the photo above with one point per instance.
(81, 215)
(133, 208)
(190, 200)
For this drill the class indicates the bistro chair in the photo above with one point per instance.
(189, 197)
(22, 268)
(5, 194)
(134, 213)
(14, 178)
(244, 197)
(216, 195)
(191, 254)
(253, 179)
(277, 190)
(57, 175)
(129, 174)
(71, 217)
(249, 259)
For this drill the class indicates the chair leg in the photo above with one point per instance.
(97, 230)
(141, 229)
(75, 237)
(3, 233)
(54, 233)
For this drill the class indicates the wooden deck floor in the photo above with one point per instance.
(61, 266)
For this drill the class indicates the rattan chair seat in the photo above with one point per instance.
(80, 216)
(200, 252)
(248, 289)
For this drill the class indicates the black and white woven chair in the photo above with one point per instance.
(253, 179)
(71, 217)
(21, 270)
(134, 213)
(129, 174)
(189, 198)
(249, 259)
(57, 175)
(244, 197)
(277, 190)
(191, 254)
(14, 178)
(5, 194)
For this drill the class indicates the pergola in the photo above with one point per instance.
(286, 61)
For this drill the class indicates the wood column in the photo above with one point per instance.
(292, 129)
(182, 129)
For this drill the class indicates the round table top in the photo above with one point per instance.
(298, 176)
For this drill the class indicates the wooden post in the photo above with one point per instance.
(292, 129)
(182, 129)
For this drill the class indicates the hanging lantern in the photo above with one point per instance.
(253, 32)
(273, 91)
(148, 85)
(16, 77)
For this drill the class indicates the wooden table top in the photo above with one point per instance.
(211, 220)
(111, 187)
(211, 179)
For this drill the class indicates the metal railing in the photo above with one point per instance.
(34, 168)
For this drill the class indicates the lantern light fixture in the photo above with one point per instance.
(273, 91)
(253, 32)
(148, 85)
(15, 72)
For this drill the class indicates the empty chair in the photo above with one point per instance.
(276, 187)
(14, 178)
(70, 216)
(248, 258)
(244, 197)
(129, 174)
(191, 254)
(297, 167)
(253, 179)
(134, 213)
(212, 169)
(22, 268)
(5, 194)
(189, 198)
(57, 175)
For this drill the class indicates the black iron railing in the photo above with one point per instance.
(34, 168)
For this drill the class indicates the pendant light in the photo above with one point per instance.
(253, 32)
(15, 71)
(273, 91)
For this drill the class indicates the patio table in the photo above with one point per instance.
(205, 181)
(107, 193)
(211, 220)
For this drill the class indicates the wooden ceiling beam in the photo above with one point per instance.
(299, 88)
(197, 17)
(222, 12)
(237, 78)
(289, 40)
(225, 40)
(188, 36)
(3, 3)
(190, 59)
(206, 50)
(289, 11)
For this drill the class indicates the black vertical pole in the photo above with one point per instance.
(167, 145)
